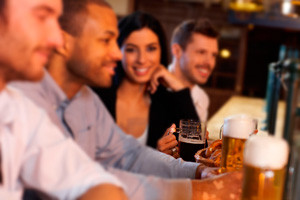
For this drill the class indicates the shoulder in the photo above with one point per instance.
(27, 111)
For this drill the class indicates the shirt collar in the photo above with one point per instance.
(7, 110)
(57, 96)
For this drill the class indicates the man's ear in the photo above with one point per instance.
(66, 48)
(176, 50)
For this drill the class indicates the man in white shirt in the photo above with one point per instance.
(34, 153)
(88, 57)
(194, 47)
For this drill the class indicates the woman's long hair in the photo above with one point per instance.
(137, 21)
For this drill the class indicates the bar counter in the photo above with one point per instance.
(245, 105)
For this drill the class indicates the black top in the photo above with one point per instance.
(166, 108)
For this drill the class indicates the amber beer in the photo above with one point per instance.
(236, 130)
(265, 160)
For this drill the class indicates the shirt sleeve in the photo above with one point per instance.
(122, 151)
(201, 102)
(54, 164)
(152, 187)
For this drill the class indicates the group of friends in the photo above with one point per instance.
(59, 140)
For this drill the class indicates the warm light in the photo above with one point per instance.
(225, 53)
(246, 5)
(288, 8)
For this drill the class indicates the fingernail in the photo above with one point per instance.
(172, 130)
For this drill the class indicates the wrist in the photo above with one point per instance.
(199, 171)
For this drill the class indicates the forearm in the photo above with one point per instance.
(226, 186)
(139, 186)
(104, 192)
(165, 166)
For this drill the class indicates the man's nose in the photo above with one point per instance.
(55, 37)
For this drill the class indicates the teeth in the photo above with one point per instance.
(203, 70)
(142, 70)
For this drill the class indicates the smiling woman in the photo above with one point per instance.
(139, 100)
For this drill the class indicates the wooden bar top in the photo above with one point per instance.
(245, 105)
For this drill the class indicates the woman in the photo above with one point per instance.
(140, 105)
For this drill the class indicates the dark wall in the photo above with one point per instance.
(252, 47)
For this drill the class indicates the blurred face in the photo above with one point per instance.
(199, 58)
(28, 37)
(95, 52)
(141, 55)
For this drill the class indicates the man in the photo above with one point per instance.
(89, 56)
(194, 47)
(34, 153)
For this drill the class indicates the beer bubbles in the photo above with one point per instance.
(236, 130)
(265, 160)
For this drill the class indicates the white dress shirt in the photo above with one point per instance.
(36, 155)
(201, 102)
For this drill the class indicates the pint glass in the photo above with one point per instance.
(236, 130)
(265, 160)
(191, 138)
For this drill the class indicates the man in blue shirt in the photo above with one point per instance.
(88, 57)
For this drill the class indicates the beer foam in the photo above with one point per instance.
(189, 140)
(266, 152)
(239, 126)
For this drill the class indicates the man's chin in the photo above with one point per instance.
(201, 82)
(101, 84)
(34, 77)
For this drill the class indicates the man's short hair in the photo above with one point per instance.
(75, 13)
(182, 34)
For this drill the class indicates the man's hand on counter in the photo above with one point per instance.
(224, 186)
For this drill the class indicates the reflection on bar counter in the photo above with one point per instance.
(265, 160)
(236, 130)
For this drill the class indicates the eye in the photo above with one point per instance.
(129, 49)
(105, 40)
(202, 52)
(151, 48)
(42, 15)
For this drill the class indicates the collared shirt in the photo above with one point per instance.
(201, 102)
(95, 131)
(34, 154)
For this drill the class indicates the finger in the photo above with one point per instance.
(152, 87)
(170, 145)
(166, 139)
(170, 130)
(168, 151)
(207, 135)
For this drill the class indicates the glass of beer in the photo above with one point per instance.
(265, 160)
(192, 138)
(236, 130)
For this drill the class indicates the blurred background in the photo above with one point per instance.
(251, 34)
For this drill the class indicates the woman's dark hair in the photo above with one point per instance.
(137, 21)
(2, 10)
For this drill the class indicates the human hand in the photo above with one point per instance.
(162, 76)
(203, 172)
(224, 186)
(168, 143)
